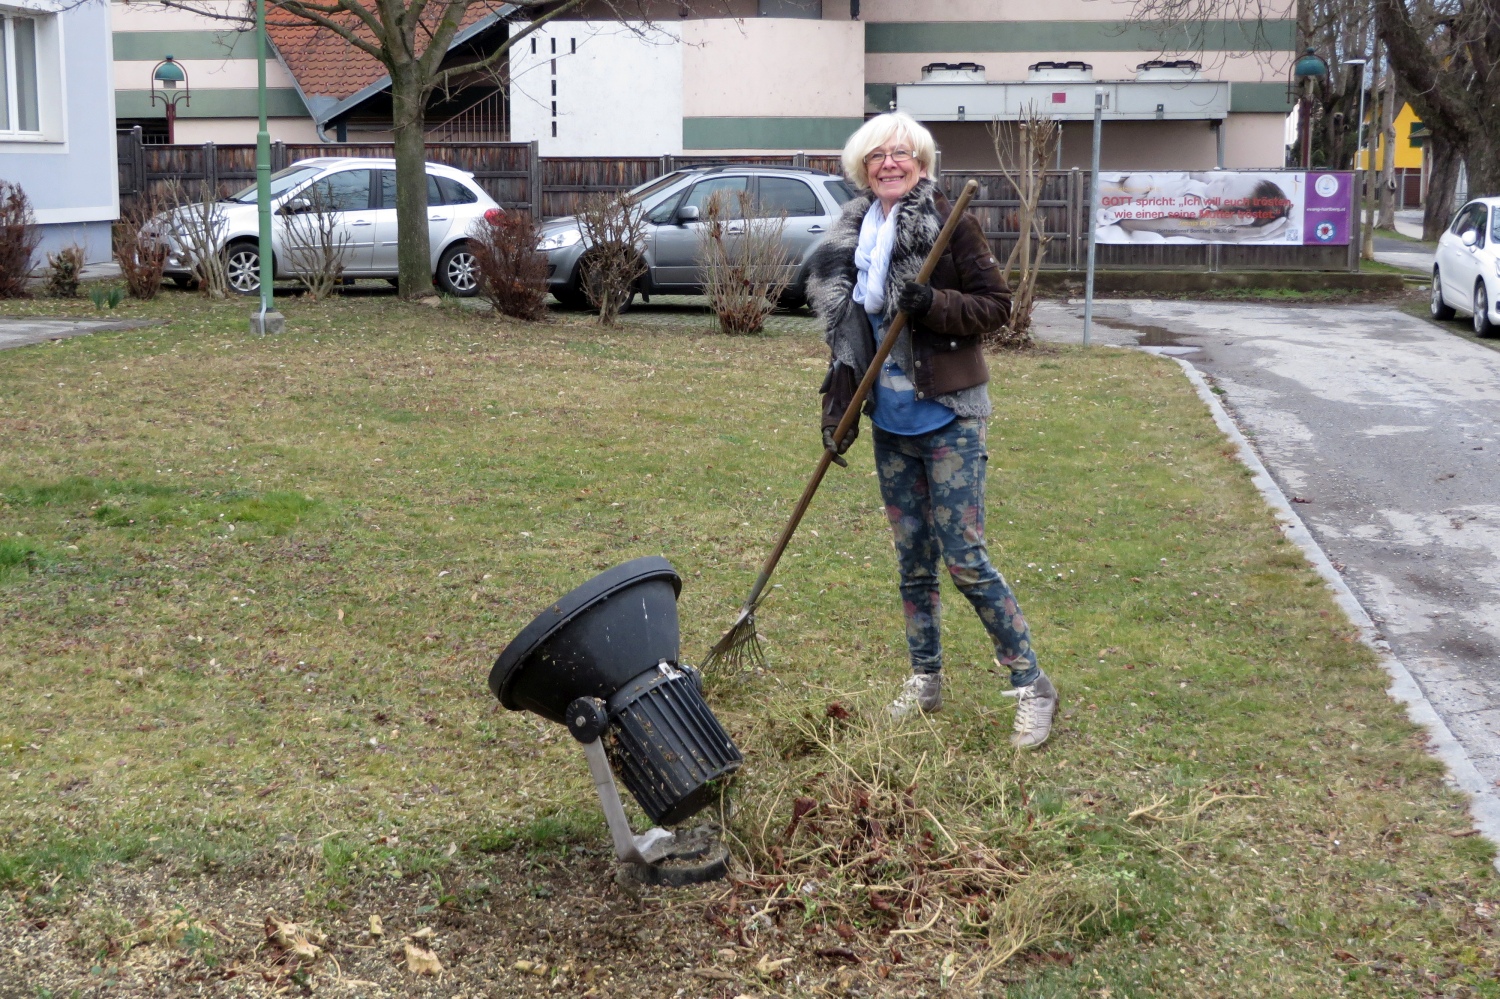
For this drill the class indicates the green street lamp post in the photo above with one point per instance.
(267, 319)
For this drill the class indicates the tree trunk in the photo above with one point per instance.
(1437, 209)
(1388, 144)
(408, 121)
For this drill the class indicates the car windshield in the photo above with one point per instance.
(659, 184)
(281, 182)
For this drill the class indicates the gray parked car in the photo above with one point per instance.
(673, 205)
(361, 194)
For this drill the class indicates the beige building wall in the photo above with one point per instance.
(779, 67)
(1255, 140)
(229, 131)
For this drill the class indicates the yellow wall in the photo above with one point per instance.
(1408, 156)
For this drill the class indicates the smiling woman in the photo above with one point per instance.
(930, 403)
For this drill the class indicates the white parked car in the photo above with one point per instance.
(361, 195)
(1466, 267)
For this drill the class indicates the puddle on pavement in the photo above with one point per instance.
(1158, 339)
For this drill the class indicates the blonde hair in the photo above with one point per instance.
(883, 128)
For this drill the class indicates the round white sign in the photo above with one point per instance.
(1326, 186)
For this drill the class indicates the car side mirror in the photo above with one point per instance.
(296, 206)
(686, 214)
(1470, 237)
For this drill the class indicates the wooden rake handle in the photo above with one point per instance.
(851, 414)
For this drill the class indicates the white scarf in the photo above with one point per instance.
(872, 257)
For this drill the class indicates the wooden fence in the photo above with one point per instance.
(550, 187)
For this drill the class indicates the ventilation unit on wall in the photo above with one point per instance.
(1162, 91)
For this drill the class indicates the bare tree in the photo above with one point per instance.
(1447, 56)
(1387, 142)
(744, 262)
(1024, 153)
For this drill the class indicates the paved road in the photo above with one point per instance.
(20, 331)
(1390, 427)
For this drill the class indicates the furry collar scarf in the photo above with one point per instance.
(831, 274)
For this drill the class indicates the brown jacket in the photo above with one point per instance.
(942, 351)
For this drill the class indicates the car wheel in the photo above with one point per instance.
(1439, 308)
(456, 273)
(242, 268)
(571, 298)
(1482, 325)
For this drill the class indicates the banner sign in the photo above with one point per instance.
(1253, 207)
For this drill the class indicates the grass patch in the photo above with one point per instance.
(292, 714)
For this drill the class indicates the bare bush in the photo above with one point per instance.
(744, 262)
(64, 270)
(19, 238)
(613, 228)
(140, 249)
(1024, 154)
(512, 274)
(315, 243)
(196, 227)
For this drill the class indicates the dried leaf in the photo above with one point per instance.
(424, 934)
(377, 928)
(421, 961)
(766, 967)
(531, 967)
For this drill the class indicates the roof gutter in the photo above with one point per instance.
(320, 121)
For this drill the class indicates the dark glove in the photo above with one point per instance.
(838, 449)
(915, 299)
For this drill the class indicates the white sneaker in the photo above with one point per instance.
(1035, 706)
(922, 692)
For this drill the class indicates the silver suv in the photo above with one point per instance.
(673, 205)
(361, 193)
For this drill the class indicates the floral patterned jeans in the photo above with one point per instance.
(933, 487)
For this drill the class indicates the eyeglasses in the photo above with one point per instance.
(895, 156)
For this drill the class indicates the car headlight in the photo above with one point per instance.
(558, 240)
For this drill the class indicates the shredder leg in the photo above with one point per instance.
(647, 848)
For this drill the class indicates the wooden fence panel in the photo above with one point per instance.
(513, 174)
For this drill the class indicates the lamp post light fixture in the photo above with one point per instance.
(169, 84)
(1308, 72)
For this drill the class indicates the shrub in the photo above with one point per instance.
(196, 226)
(316, 244)
(613, 230)
(512, 274)
(19, 237)
(64, 269)
(745, 267)
(140, 249)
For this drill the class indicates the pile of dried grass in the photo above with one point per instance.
(899, 846)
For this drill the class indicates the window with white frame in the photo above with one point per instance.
(20, 110)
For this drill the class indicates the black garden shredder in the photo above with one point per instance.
(604, 661)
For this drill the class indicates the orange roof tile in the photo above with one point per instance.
(325, 64)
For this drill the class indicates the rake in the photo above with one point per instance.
(740, 647)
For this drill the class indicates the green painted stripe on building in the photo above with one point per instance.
(767, 133)
(281, 102)
(1259, 97)
(152, 46)
(1059, 39)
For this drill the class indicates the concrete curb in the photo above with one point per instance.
(1484, 803)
